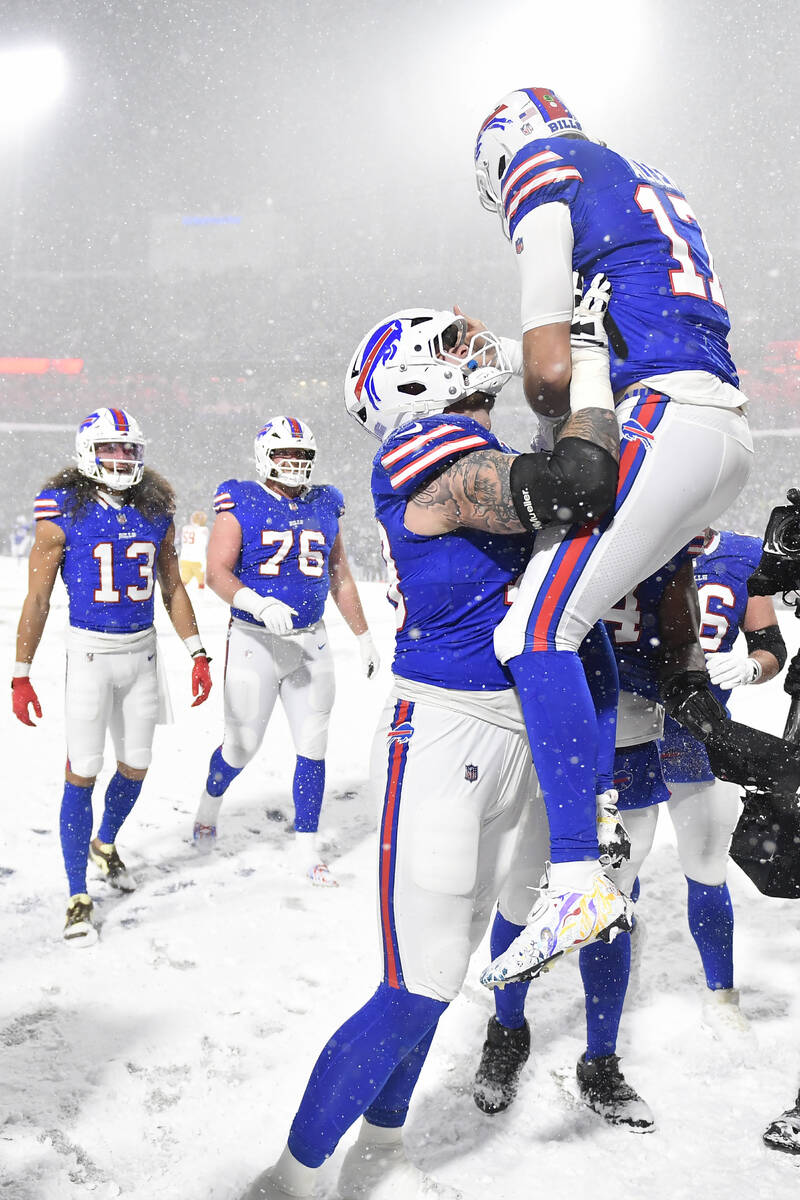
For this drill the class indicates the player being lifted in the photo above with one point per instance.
(568, 203)
(194, 546)
(276, 550)
(106, 525)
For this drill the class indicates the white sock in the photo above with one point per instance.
(294, 1177)
(208, 809)
(380, 1135)
(305, 850)
(575, 876)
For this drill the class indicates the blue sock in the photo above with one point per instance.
(600, 668)
(358, 1063)
(121, 795)
(562, 729)
(604, 970)
(307, 788)
(509, 1002)
(389, 1109)
(711, 925)
(220, 774)
(76, 833)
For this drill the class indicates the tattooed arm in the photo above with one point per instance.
(596, 425)
(474, 491)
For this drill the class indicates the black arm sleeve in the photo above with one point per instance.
(770, 639)
(574, 484)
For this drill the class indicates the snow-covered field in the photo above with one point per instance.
(167, 1062)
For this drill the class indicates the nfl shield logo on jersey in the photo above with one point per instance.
(470, 773)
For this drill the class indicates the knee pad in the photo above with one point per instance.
(574, 484)
(86, 766)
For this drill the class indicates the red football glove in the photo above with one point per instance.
(23, 695)
(201, 679)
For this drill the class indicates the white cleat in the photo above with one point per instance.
(376, 1171)
(321, 876)
(722, 1014)
(80, 928)
(562, 921)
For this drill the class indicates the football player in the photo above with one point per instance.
(656, 629)
(194, 547)
(106, 525)
(451, 770)
(276, 550)
(568, 203)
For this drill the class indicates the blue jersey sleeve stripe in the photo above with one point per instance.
(471, 442)
(411, 447)
(554, 175)
(525, 168)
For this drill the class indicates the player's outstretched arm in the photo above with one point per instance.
(346, 598)
(181, 614)
(45, 559)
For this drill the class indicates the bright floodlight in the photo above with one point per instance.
(31, 80)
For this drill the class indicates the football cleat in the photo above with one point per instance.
(784, 1132)
(612, 836)
(79, 929)
(605, 1089)
(105, 857)
(504, 1054)
(561, 922)
(204, 836)
(722, 1015)
(375, 1171)
(320, 876)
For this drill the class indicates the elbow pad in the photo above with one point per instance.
(770, 639)
(574, 484)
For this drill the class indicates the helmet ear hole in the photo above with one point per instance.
(501, 168)
(412, 389)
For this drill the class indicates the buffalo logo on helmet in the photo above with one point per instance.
(379, 350)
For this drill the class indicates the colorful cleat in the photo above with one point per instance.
(204, 836)
(561, 922)
(320, 876)
(80, 929)
(105, 857)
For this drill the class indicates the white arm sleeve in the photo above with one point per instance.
(545, 265)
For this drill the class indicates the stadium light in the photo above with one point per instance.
(32, 78)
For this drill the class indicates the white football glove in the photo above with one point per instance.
(370, 659)
(589, 308)
(732, 670)
(276, 616)
(545, 436)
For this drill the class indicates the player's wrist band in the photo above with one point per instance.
(194, 645)
(22, 670)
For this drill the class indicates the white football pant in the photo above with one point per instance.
(261, 666)
(452, 791)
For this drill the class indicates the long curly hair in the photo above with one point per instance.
(153, 496)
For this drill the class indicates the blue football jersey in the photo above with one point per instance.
(633, 627)
(721, 572)
(633, 223)
(450, 591)
(286, 543)
(109, 564)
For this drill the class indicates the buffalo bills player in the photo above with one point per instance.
(656, 630)
(451, 768)
(568, 203)
(276, 550)
(106, 526)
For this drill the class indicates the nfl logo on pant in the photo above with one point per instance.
(470, 773)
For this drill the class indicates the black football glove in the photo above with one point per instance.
(689, 700)
(791, 682)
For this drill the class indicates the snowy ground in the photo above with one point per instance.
(166, 1062)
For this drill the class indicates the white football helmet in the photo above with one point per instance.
(287, 434)
(417, 363)
(110, 427)
(527, 115)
